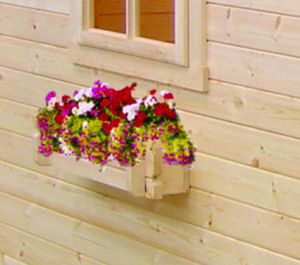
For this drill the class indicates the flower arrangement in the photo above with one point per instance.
(102, 124)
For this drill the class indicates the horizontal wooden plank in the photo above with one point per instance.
(58, 6)
(290, 7)
(17, 117)
(54, 62)
(254, 29)
(239, 104)
(34, 251)
(250, 185)
(254, 68)
(163, 232)
(89, 240)
(34, 25)
(31, 89)
(10, 261)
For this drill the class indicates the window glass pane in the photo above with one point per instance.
(157, 20)
(110, 15)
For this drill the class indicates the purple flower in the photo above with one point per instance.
(50, 95)
(98, 83)
(94, 112)
(96, 91)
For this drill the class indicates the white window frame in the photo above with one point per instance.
(182, 63)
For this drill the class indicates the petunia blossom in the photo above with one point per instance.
(51, 103)
(85, 124)
(84, 107)
(132, 109)
(50, 95)
(150, 101)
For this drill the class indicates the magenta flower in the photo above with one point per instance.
(50, 95)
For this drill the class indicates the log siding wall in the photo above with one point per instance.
(243, 205)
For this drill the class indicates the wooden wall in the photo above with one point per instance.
(243, 207)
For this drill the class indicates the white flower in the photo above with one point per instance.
(80, 95)
(85, 125)
(164, 92)
(132, 109)
(88, 93)
(75, 111)
(84, 107)
(51, 103)
(150, 101)
(104, 85)
(64, 147)
(171, 105)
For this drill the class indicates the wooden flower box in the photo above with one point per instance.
(151, 178)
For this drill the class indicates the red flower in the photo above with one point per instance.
(115, 122)
(105, 102)
(162, 109)
(152, 92)
(103, 116)
(66, 109)
(59, 118)
(65, 98)
(114, 106)
(133, 85)
(122, 115)
(168, 96)
(57, 106)
(130, 101)
(140, 117)
(106, 127)
(170, 114)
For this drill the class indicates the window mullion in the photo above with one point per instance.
(181, 29)
(132, 19)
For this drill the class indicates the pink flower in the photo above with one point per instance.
(50, 95)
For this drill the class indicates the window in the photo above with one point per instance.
(160, 40)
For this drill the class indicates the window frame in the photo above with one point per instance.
(131, 42)
(182, 63)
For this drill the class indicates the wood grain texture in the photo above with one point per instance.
(34, 251)
(229, 102)
(243, 183)
(200, 208)
(17, 117)
(31, 24)
(10, 261)
(89, 240)
(234, 103)
(236, 181)
(31, 89)
(167, 234)
(254, 29)
(266, 71)
(57, 6)
(247, 184)
(290, 7)
(49, 61)
(256, 148)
